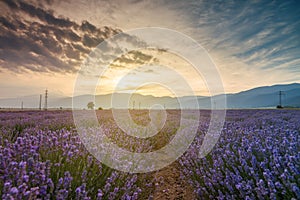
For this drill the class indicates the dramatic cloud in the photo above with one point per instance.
(134, 58)
(246, 39)
(253, 43)
(33, 38)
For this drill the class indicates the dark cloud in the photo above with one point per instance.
(134, 40)
(137, 55)
(72, 36)
(134, 58)
(43, 42)
(81, 48)
(86, 26)
(44, 15)
(91, 41)
(52, 45)
(7, 24)
(34, 62)
(33, 38)
(72, 53)
(21, 53)
(11, 4)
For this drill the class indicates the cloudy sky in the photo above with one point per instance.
(43, 43)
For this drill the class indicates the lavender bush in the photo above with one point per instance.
(41, 156)
(257, 157)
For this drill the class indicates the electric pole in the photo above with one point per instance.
(40, 104)
(280, 100)
(46, 100)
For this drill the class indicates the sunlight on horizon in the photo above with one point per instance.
(166, 68)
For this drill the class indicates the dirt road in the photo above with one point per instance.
(169, 185)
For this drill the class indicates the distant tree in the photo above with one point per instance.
(91, 105)
(100, 108)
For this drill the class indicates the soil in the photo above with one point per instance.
(170, 186)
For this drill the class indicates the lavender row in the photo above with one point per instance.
(41, 156)
(256, 157)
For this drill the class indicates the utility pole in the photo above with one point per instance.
(46, 100)
(280, 100)
(280, 94)
(133, 104)
(40, 104)
(22, 105)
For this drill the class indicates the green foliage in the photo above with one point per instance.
(90, 105)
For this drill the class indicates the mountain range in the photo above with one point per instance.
(260, 97)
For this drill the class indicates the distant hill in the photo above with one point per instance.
(266, 97)
(260, 97)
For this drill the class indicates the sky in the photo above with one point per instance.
(44, 43)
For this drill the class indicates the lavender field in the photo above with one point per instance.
(256, 157)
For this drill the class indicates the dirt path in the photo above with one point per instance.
(170, 186)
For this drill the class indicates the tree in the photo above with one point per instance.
(90, 105)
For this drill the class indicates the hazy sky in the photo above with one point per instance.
(43, 43)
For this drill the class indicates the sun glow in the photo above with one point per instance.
(127, 75)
